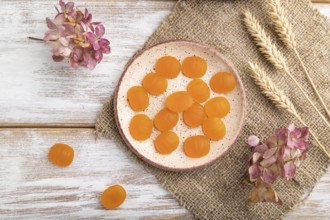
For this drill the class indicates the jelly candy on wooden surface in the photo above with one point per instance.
(61, 155)
(113, 197)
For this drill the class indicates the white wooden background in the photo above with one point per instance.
(42, 103)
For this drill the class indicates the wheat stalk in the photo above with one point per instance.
(272, 54)
(284, 30)
(281, 101)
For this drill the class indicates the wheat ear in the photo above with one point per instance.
(281, 101)
(272, 54)
(284, 30)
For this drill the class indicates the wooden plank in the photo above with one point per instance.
(35, 91)
(32, 188)
(324, 8)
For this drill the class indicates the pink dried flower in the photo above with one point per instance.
(75, 37)
(279, 156)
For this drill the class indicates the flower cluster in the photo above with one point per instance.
(75, 37)
(277, 156)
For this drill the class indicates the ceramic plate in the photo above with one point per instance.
(143, 63)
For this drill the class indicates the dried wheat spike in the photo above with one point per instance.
(277, 96)
(266, 46)
(282, 25)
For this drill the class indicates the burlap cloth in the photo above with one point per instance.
(219, 191)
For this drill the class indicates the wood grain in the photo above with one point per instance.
(35, 91)
(33, 188)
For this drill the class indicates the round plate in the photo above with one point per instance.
(143, 63)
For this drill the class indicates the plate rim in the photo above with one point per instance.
(231, 68)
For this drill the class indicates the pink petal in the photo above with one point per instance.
(268, 176)
(262, 148)
(50, 23)
(254, 172)
(268, 162)
(253, 140)
(256, 156)
(270, 152)
(99, 30)
(291, 127)
(57, 58)
(289, 170)
(64, 41)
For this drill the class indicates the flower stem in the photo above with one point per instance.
(311, 82)
(307, 97)
(34, 38)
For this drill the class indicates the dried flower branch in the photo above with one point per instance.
(279, 156)
(272, 54)
(281, 101)
(284, 30)
(75, 37)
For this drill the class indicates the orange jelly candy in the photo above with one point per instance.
(166, 142)
(179, 101)
(196, 146)
(113, 197)
(214, 128)
(223, 82)
(194, 67)
(138, 98)
(61, 155)
(154, 84)
(166, 119)
(194, 116)
(140, 127)
(199, 90)
(217, 107)
(168, 67)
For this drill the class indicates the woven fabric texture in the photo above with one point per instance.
(219, 191)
